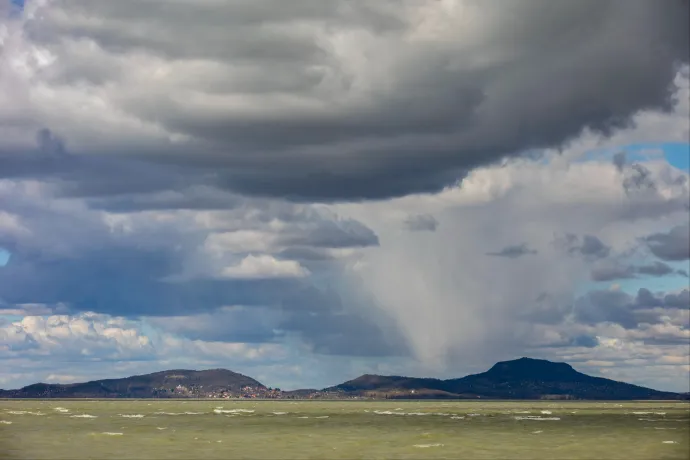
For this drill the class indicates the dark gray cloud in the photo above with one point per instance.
(615, 271)
(77, 260)
(678, 300)
(513, 252)
(612, 272)
(671, 246)
(317, 316)
(49, 143)
(341, 233)
(656, 269)
(619, 307)
(587, 246)
(639, 180)
(421, 223)
(299, 107)
(592, 247)
(619, 160)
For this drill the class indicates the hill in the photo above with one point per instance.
(178, 383)
(522, 378)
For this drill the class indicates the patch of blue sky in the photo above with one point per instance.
(5, 257)
(16, 8)
(678, 155)
(669, 283)
(675, 153)
(8, 319)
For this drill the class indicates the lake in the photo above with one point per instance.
(174, 429)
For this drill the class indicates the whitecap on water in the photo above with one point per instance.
(304, 416)
(323, 416)
(457, 417)
(60, 409)
(547, 412)
(132, 415)
(534, 417)
(110, 433)
(669, 442)
(83, 416)
(641, 413)
(537, 432)
(5, 422)
(473, 415)
(24, 412)
(232, 411)
(161, 427)
(279, 413)
(428, 445)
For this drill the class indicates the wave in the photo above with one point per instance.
(534, 417)
(218, 410)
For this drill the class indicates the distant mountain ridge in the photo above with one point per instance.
(523, 378)
(165, 384)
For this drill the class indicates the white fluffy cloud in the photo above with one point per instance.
(265, 267)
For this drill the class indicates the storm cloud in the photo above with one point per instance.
(671, 246)
(324, 100)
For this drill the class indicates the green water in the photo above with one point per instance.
(343, 429)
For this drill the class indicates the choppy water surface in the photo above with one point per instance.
(362, 429)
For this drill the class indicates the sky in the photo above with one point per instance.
(308, 191)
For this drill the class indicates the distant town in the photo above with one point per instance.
(248, 392)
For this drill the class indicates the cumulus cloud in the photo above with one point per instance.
(264, 267)
(87, 335)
